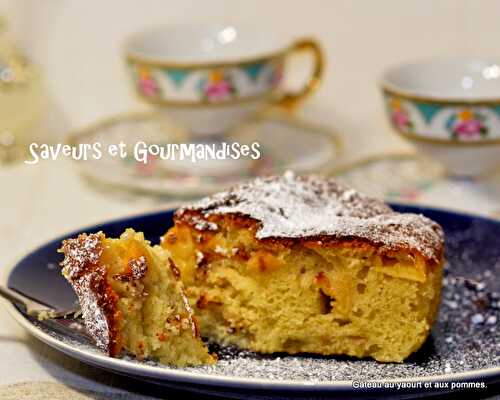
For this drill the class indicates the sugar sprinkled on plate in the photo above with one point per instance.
(456, 344)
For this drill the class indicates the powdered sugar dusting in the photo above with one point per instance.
(456, 344)
(291, 206)
(80, 253)
(94, 315)
(81, 268)
(202, 225)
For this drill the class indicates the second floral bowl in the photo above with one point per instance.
(450, 109)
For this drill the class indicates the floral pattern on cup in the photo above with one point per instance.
(467, 125)
(147, 84)
(218, 86)
(399, 116)
(207, 84)
(444, 122)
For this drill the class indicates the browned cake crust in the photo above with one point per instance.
(97, 300)
(315, 211)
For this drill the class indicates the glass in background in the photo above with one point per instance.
(22, 101)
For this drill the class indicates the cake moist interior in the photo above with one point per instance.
(147, 313)
(305, 298)
(304, 265)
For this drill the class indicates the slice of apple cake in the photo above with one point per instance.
(132, 298)
(303, 264)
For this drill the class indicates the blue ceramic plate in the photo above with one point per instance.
(464, 346)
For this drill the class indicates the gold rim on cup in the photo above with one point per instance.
(274, 95)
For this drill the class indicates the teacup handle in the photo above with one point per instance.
(291, 100)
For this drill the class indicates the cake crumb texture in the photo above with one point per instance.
(304, 265)
(132, 298)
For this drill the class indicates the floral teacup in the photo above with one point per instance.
(211, 78)
(450, 109)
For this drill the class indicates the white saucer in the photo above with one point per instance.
(418, 180)
(285, 143)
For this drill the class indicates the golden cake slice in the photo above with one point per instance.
(132, 298)
(303, 264)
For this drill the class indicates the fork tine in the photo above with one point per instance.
(33, 307)
(13, 296)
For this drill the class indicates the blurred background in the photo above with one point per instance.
(80, 48)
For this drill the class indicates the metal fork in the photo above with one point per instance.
(35, 309)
